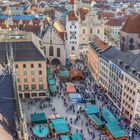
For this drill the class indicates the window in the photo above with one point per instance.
(131, 40)
(32, 65)
(25, 80)
(33, 79)
(98, 31)
(91, 30)
(24, 72)
(58, 52)
(39, 65)
(32, 73)
(16, 66)
(40, 72)
(26, 87)
(24, 65)
(19, 87)
(41, 86)
(18, 80)
(73, 48)
(51, 51)
(83, 31)
(40, 79)
(33, 87)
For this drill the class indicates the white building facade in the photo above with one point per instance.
(72, 27)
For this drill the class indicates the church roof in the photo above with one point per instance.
(132, 24)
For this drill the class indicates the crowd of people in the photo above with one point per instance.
(77, 122)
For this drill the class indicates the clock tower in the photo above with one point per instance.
(72, 27)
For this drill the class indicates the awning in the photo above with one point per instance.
(50, 76)
(70, 89)
(53, 88)
(38, 118)
(52, 82)
(67, 61)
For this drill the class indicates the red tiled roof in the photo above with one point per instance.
(132, 24)
(73, 15)
(100, 44)
(72, 2)
(115, 22)
(105, 15)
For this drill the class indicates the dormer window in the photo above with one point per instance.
(133, 70)
(138, 74)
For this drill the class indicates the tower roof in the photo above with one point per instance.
(72, 1)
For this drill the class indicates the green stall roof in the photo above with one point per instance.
(64, 73)
(92, 109)
(49, 71)
(65, 137)
(115, 130)
(50, 76)
(108, 116)
(52, 82)
(76, 136)
(38, 118)
(96, 120)
(60, 125)
(53, 88)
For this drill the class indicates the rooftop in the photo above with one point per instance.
(132, 24)
(7, 108)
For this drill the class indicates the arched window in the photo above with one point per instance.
(51, 51)
(58, 52)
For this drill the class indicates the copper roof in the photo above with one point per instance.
(73, 15)
(100, 44)
(132, 24)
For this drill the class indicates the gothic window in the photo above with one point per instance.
(51, 51)
(58, 52)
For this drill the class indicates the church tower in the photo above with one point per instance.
(72, 27)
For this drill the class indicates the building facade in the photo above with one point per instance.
(119, 76)
(94, 50)
(55, 43)
(72, 27)
(130, 34)
(30, 63)
(91, 26)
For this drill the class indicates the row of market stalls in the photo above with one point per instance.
(51, 81)
(105, 121)
(72, 74)
(73, 96)
(52, 125)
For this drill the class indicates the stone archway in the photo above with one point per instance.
(55, 61)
